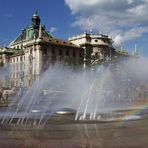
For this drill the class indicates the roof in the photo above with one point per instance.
(38, 32)
(91, 35)
(56, 41)
(32, 31)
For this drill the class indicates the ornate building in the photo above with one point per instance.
(34, 50)
(97, 47)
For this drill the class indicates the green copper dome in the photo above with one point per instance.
(36, 20)
(32, 32)
(36, 14)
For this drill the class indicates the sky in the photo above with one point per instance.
(126, 21)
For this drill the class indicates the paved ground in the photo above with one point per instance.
(133, 134)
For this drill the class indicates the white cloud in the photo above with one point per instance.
(53, 29)
(118, 39)
(130, 1)
(126, 19)
(129, 35)
(77, 5)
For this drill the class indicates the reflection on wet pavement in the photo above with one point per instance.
(131, 134)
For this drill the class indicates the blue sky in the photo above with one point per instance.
(125, 20)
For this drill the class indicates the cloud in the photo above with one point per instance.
(129, 35)
(126, 19)
(78, 5)
(53, 29)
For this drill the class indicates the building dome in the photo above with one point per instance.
(36, 19)
(35, 15)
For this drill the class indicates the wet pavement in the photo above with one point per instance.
(121, 134)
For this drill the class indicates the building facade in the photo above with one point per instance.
(97, 47)
(34, 50)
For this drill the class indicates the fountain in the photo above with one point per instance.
(89, 108)
(80, 96)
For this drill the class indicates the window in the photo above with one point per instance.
(30, 51)
(80, 54)
(96, 54)
(60, 52)
(74, 54)
(53, 52)
(45, 51)
(67, 53)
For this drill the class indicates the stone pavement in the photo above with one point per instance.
(133, 134)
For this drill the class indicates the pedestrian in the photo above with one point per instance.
(6, 98)
(1, 94)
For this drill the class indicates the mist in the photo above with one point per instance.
(106, 88)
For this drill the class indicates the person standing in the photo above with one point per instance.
(1, 94)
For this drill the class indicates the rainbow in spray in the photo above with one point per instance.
(135, 112)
